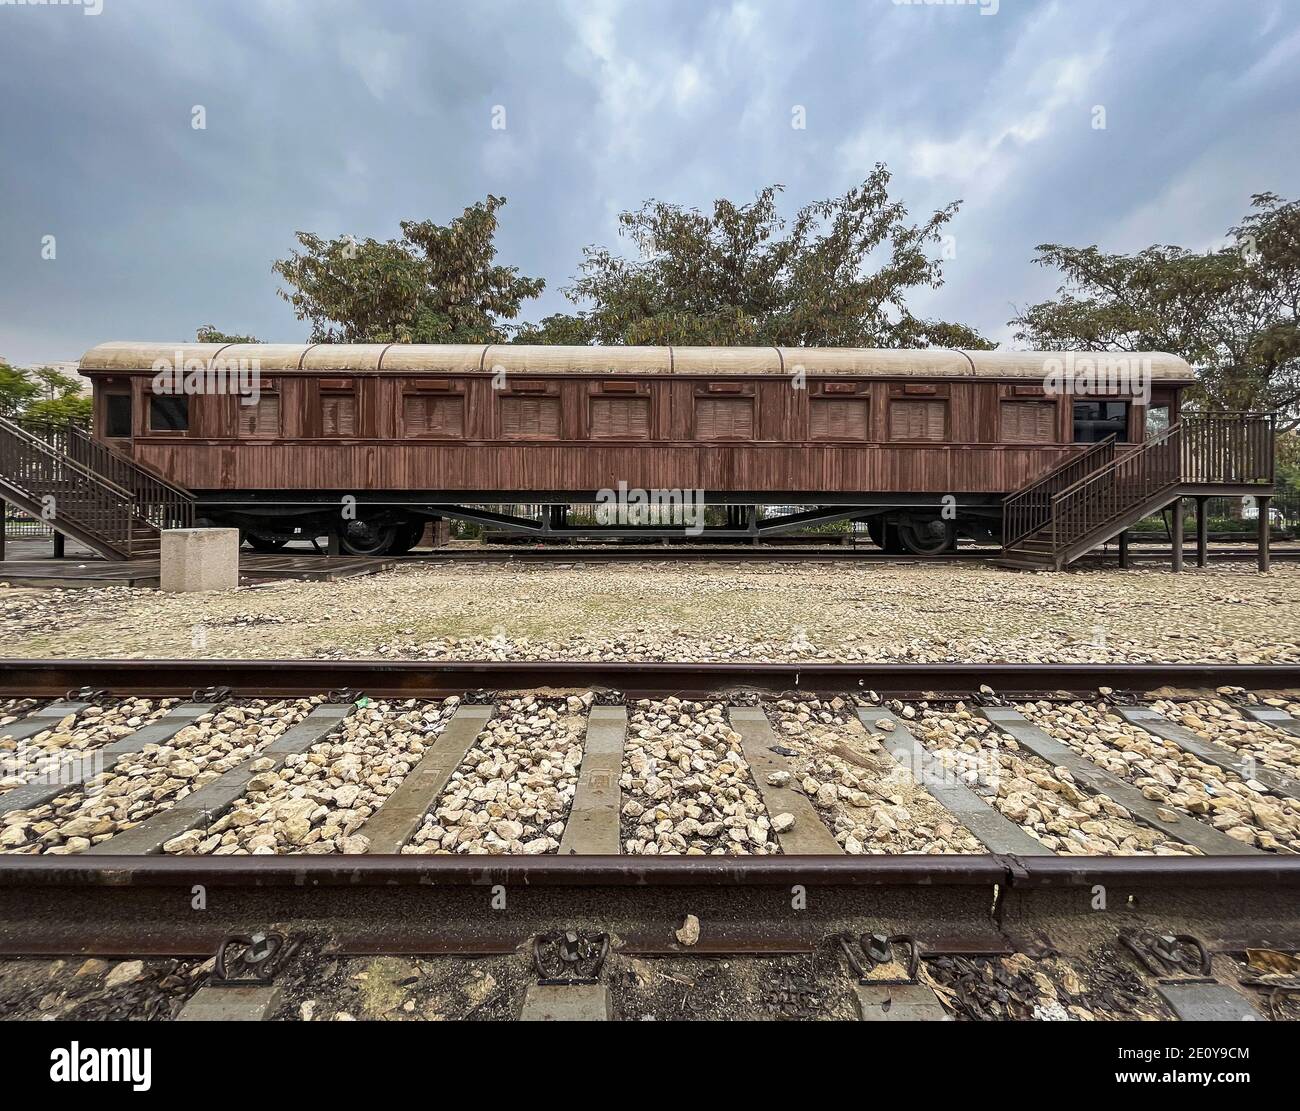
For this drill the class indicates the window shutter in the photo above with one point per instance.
(918, 420)
(620, 418)
(839, 420)
(338, 414)
(433, 416)
(1027, 422)
(262, 420)
(718, 418)
(530, 418)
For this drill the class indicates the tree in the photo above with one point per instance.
(17, 390)
(1232, 312)
(208, 333)
(61, 399)
(835, 275)
(434, 285)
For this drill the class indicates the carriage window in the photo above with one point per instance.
(169, 413)
(620, 418)
(261, 420)
(1157, 420)
(724, 418)
(530, 418)
(338, 412)
(117, 415)
(1027, 422)
(839, 419)
(433, 416)
(1095, 420)
(918, 420)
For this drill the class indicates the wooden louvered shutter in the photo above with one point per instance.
(839, 419)
(724, 418)
(1027, 422)
(620, 418)
(338, 414)
(530, 418)
(260, 421)
(918, 420)
(433, 416)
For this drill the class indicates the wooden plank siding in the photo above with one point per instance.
(581, 433)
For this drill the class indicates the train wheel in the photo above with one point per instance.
(408, 536)
(884, 535)
(367, 538)
(928, 537)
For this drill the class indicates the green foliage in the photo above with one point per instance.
(208, 333)
(42, 394)
(835, 275)
(434, 285)
(17, 390)
(61, 399)
(1231, 312)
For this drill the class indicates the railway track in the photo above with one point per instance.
(662, 818)
(680, 554)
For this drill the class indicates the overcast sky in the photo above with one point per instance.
(345, 116)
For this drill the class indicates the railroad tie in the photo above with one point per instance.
(995, 832)
(76, 770)
(1274, 719)
(393, 824)
(808, 835)
(593, 825)
(1247, 768)
(1185, 830)
(203, 807)
(47, 717)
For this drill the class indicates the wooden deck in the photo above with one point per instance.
(254, 567)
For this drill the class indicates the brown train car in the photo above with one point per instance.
(369, 442)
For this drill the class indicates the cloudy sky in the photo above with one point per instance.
(345, 116)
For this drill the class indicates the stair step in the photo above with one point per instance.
(1023, 565)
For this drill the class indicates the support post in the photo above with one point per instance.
(58, 544)
(1263, 532)
(4, 509)
(1176, 532)
(1123, 550)
(1202, 532)
(332, 545)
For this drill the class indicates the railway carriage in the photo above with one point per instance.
(923, 444)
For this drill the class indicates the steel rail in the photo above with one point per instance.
(420, 678)
(403, 870)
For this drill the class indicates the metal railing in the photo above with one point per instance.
(1227, 448)
(1107, 494)
(1028, 510)
(47, 476)
(157, 501)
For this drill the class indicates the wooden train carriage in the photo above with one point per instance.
(419, 431)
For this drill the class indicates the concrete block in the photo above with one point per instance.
(249, 1003)
(200, 559)
(566, 1003)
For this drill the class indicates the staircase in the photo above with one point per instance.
(60, 474)
(1092, 498)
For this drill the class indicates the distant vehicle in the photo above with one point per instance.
(1250, 512)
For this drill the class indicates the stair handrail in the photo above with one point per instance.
(23, 436)
(157, 501)
(1107, 493)
(96, 506)
(1029, 508)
